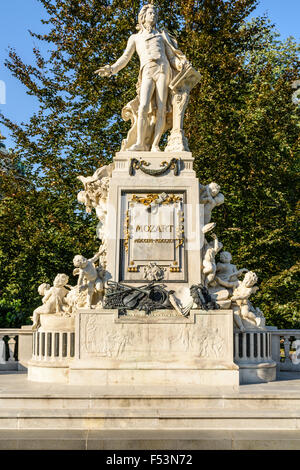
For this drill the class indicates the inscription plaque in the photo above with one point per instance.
(153, 232)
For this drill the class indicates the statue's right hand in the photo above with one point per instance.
(104, 71)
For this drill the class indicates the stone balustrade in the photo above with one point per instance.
(19, 345)
(53, 345)
(253, 354)
(252, 346)
(15, 348)
(53, 348)
(286, 349)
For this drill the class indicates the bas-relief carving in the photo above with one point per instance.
(164, 84)
(105, 342)
(101, 337)
(198, 341)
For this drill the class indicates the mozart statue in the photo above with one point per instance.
(161, 62)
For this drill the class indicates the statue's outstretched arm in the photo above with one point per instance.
(109, 70)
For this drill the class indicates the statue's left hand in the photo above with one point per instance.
(180, 65)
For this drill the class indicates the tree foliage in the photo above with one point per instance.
(242, 126)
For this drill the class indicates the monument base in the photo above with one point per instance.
(225, 378)
(257, 373)
(162, 348)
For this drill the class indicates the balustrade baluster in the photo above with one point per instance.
(11, 348)
(286, 346)
(2, 351)
(258, 346)
(251, 346)
(68, 345)
(236, 339)
(244, 346)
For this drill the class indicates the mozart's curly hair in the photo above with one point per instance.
(142, 15)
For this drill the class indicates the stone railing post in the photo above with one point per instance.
(2, 350)
(11, 349)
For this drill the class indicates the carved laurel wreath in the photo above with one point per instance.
(135, 164)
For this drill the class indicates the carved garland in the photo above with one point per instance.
(135, 164)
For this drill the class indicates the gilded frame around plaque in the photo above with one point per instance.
(157, 242)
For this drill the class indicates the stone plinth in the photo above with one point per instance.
(253, 354)
(53, 349)
(169, 234)
(154, 349)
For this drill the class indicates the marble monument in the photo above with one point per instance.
(154, 305)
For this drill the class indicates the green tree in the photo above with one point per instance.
(242, 127)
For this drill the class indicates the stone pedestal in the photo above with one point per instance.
(53, 349)
(168, 233)
(253, 354)
(161, 348)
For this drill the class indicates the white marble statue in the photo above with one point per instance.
(211, 197)
(95, 194)
(89, 277)
(160, 62)
(209, 262)
(95, 188)
(225, 280)
(54, 299)
(244, 313)
(227, 272)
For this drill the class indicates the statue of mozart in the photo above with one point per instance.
(160, 62)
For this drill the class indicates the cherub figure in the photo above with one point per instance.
(209, 262)
(226, 271)
(53, 299)
(211, 197)
(241, 306)
(95, 187)
(88, 276)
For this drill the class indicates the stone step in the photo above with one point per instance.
(74, 439)
(159, 419)
(101, 401)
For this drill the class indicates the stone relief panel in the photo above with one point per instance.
(204, 342)
(102, 337)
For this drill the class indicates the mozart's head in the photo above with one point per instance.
(147, 16)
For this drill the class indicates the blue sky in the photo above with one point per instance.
(19, 16)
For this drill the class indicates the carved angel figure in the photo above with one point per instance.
(241, 306)
(227, 272)
(89, 277)
(95, 187)
(211, 197)
(209, 262)
(53, 298)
